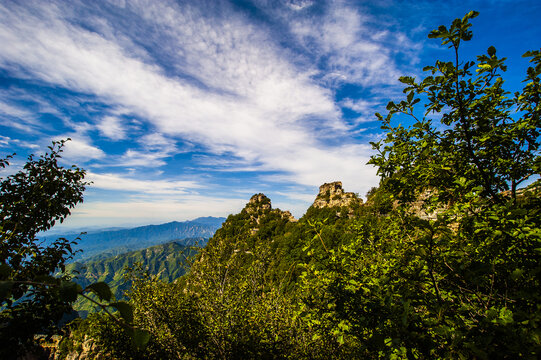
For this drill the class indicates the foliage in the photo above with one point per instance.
(245, 314)
(231, 304)
(480, 147)
(166, 261)
(33, 301)
(452, 271)
(33, 200)
(98, 337)
(442, 261)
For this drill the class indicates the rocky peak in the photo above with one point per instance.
(332, 194)
(258, 203)
(259, 207)
(287, 215)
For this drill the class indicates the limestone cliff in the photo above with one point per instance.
(259, 206)
(332, 195)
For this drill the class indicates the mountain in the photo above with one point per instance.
(166, 262)
(260, 230)
(114, 242)
(252, 253)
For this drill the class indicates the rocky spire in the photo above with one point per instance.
(332, 194)
(260, 205)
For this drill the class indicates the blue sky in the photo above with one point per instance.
(180, 109)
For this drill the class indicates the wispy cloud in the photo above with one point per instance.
(247, 97)
(349, 46)
(299, 4)
(135, 158)
(112, 128)
(254, 102)
(79, 149)
(17, 117)
(155, 149)
(123, 183)
(273, 96)
(4, 140)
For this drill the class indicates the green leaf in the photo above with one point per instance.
(506, 316)
(491, 51)
(140, 338)
(125, 310)
(484, 67)
(101, 289)
(5, 271)
(69, 291)
(5, 289)
(410, 97)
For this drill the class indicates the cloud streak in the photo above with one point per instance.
(123, 183)
(260, 107)
(139, 84)
(112, 128)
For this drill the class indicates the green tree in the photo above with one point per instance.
(451, 269)
(442, 261)
(32, 300)
(486, 141)
(33, 200)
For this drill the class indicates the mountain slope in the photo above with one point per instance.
(166, 262)
(120, 241)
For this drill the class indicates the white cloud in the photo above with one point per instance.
(111, 127)
(315, 166)
(366, 108)
(14, 111)
(156, 141)
(353, 49)
(155, 149)
(4, 140)
(126, 184)
(17, 117)
(255, 104)
(79, 150)
(7, 141)
(299, 4)
(141, 159)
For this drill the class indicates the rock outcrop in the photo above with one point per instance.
(259, 206)
(333, 195)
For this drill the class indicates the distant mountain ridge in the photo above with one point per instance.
(114, 242)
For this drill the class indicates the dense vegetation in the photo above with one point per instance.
(33, 300)
(167, 262)
(441, 261)
(26, 208)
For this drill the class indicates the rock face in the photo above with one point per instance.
(260, 206)
(332, 194)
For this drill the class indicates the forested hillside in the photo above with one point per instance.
(345, 281)
(166, 262)
(441, 261)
